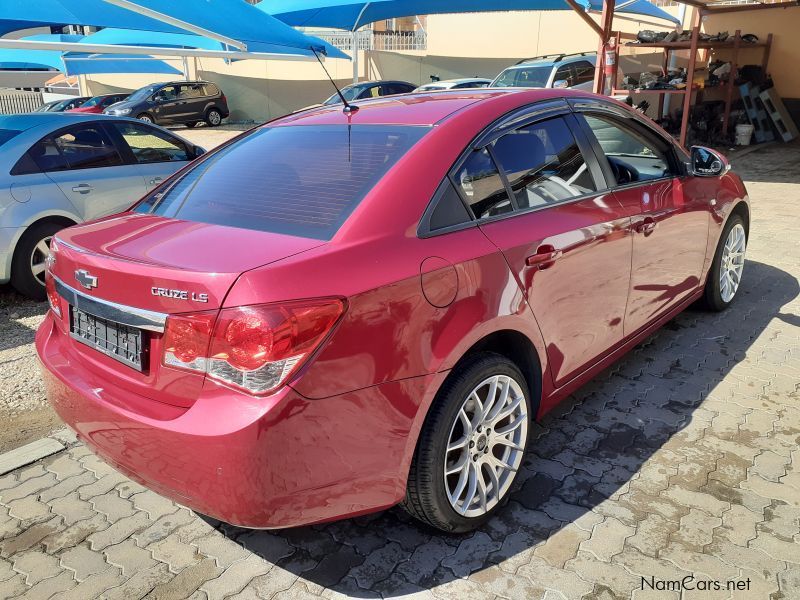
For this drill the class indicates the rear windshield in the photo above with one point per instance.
(296, 180)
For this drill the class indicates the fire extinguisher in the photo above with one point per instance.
(609, 64)
(610, 55)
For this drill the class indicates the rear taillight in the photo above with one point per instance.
(254, 348)
(50, 283)
(52, 294)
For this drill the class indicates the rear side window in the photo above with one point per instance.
(543, 164)
(87, 147)
(482, 186)
(210, 89)
(584, 72)
(295, 180)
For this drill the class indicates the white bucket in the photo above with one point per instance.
(743, 134)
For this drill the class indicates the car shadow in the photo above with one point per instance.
(585, 453)
(14, 311)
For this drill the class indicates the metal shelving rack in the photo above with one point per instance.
(693, 45)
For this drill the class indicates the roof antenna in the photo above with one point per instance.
(348, 108)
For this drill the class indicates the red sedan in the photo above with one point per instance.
(341, 311)
(98, 104)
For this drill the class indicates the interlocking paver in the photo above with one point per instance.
(36, 566)
(681, 459)
(236, 577)
(129, 557)
(83, 562)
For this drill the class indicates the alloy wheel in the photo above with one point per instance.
(732, 262)
(486, 446)
(39, 258)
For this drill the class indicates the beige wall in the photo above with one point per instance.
(784, 24)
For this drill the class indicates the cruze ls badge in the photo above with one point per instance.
(86, 279)
(179, 294)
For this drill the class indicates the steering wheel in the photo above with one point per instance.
(623, 172)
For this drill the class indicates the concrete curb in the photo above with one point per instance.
(30, 453)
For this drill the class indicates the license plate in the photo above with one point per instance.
(121, 342)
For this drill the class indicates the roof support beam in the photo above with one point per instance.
(583, 15)
(153, 14)
(713, 10)
(147, 50)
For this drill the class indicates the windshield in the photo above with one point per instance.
(141, 93)
(350, 93)
(301, 180)
(523, 77)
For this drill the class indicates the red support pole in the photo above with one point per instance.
(606, 21)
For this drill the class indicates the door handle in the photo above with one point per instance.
(645, 226)
(544, 258)
(83, 188)
(156, 180)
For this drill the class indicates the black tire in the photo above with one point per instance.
(22, 277)
(213, 117)
(712, 297)
(426, 495)
(147, 118)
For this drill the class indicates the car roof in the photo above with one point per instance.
(379, 82)
(420, 109)
(550, 61)
(27, 121)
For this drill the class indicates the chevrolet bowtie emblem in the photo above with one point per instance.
(86, 279)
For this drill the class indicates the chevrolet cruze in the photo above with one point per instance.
(341, 311)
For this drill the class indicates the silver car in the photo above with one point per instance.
(59, 169)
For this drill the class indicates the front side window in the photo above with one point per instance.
(482, 186)
(564, 73)
(633, 156)
(535, 77)
(543, 164)
(167, 93)
(149, 145)
(302, 180)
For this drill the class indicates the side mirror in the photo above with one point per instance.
(198, 151)
(561, 83)
(708, 163)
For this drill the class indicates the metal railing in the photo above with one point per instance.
(16, 101)
(375, 40)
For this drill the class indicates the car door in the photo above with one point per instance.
(91, 171)
(670, 224)
(193, 101)
(156, 153)
(167, 108)
(539, 196)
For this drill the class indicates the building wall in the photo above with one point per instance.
(462, 45)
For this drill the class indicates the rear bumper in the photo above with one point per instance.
(277, 462)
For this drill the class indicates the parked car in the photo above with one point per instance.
(47, 106)
(454, 84)
(98, 104)
(551, 71)
(69, 103)
(371, 89)
(63, 169)
(497, 253)
(180, 102)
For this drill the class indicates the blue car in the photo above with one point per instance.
(59, 169)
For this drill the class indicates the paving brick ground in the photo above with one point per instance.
(681, 461)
